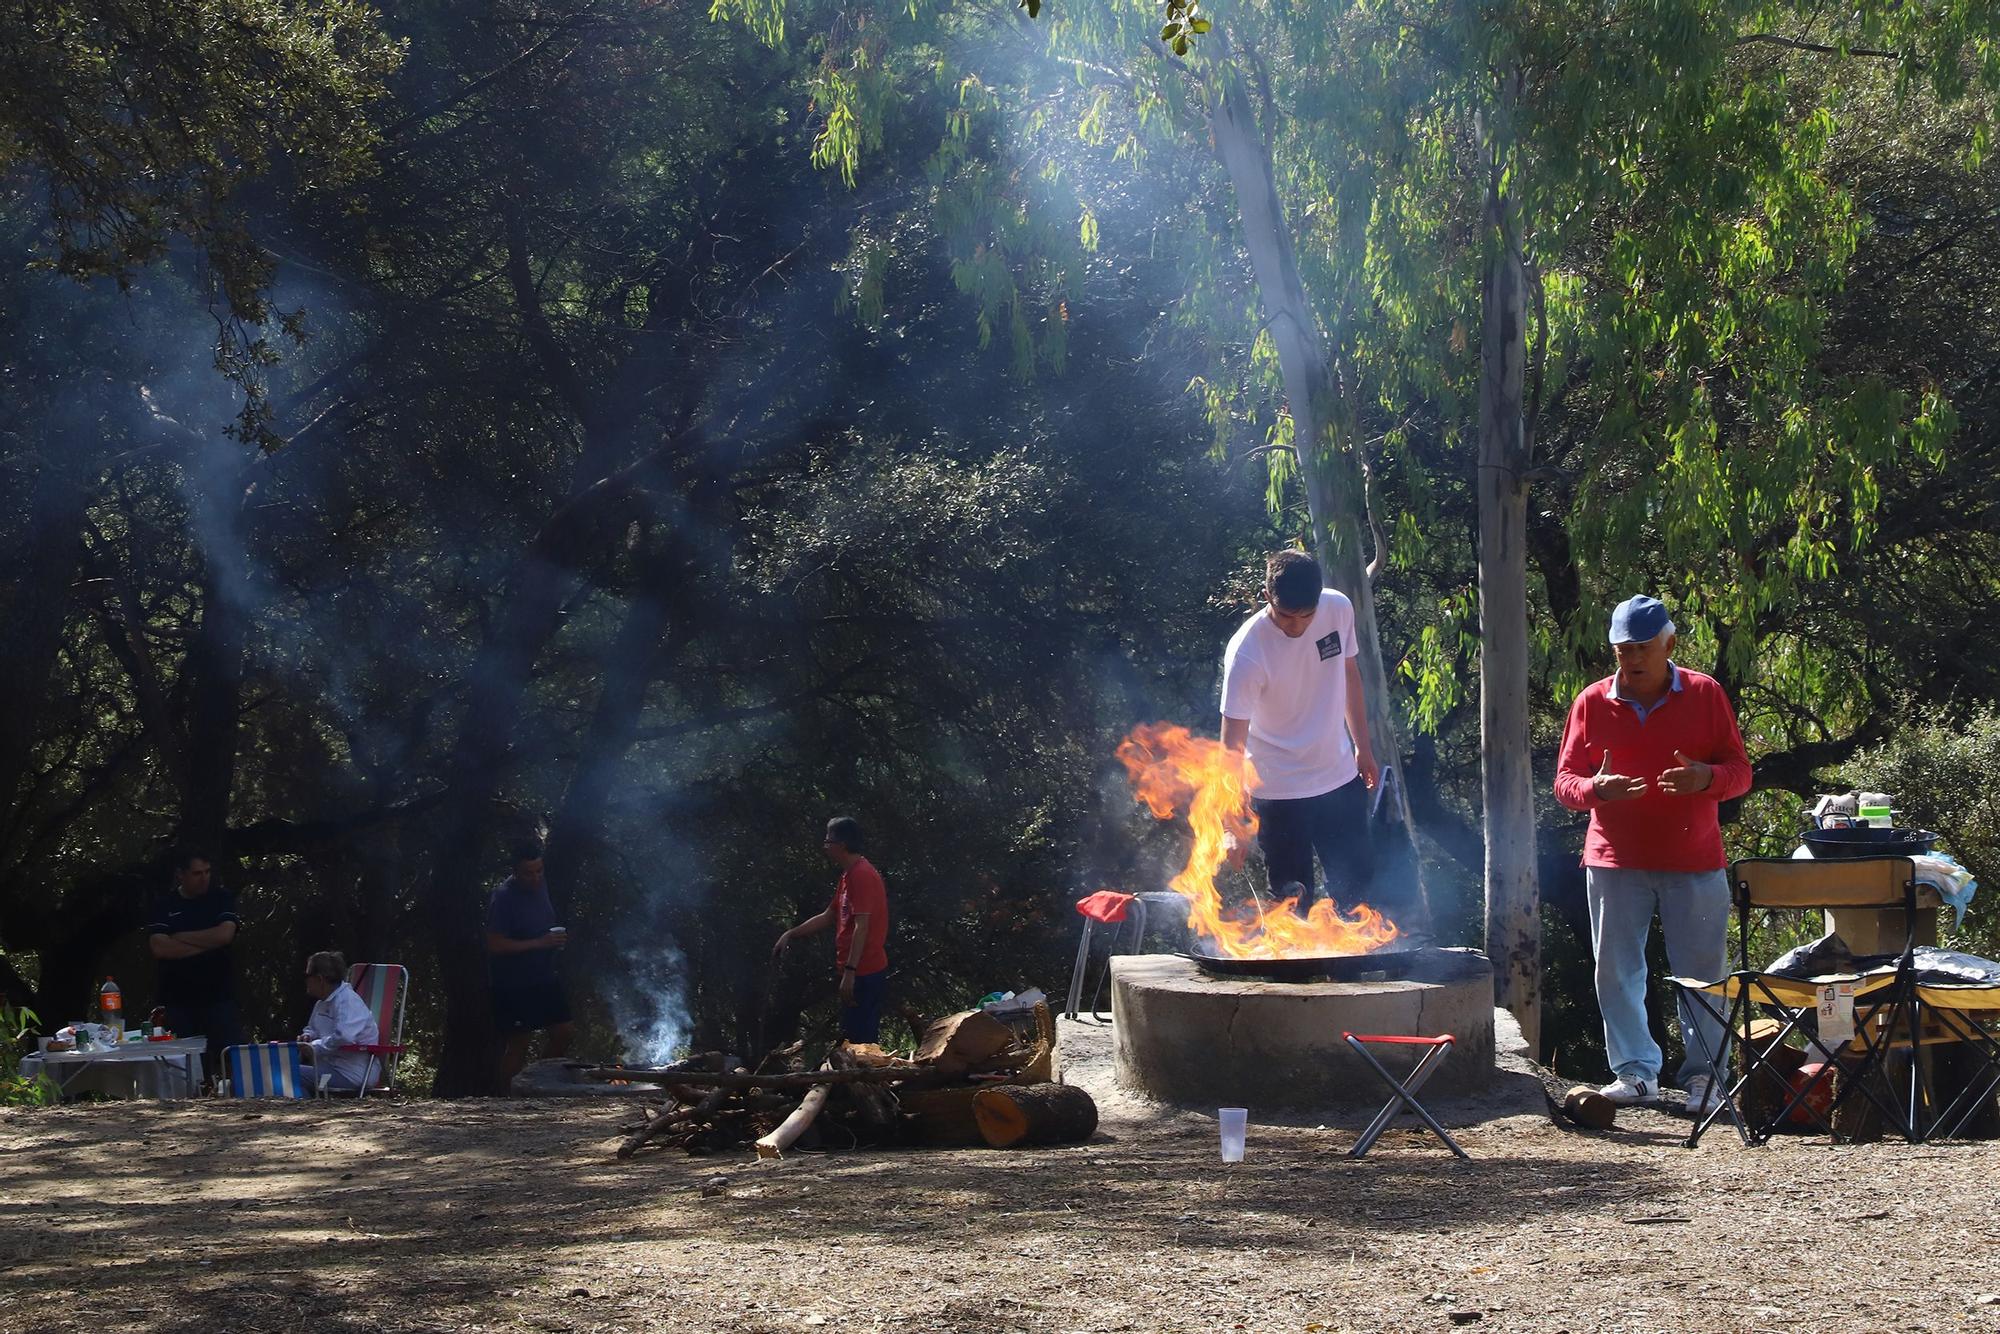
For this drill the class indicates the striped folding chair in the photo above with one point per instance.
(382, 987)
(266, 1070)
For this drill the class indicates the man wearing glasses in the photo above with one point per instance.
(859, 915)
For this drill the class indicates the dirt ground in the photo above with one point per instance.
(513, 1215)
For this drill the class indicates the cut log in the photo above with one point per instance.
(1018, 1115)
(774, 1144)
(960, 1041)
(1587, 1107)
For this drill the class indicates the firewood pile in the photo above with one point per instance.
(971, 1080)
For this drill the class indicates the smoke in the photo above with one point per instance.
(648, 999)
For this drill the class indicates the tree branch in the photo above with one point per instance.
(1794, 44)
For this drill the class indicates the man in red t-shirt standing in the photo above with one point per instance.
(1650, 751)
(859, 915)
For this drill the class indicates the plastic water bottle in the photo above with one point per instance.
(111, 1010)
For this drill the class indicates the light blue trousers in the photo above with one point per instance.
(1694, 915)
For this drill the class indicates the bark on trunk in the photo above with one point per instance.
(1513, 908)
(1322, 435)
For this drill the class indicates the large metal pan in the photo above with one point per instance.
(1393, 963)
(1864, 841)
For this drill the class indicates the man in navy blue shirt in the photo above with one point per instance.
(190, 931)
(521, 943)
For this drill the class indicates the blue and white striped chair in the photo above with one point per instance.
(266, 1070)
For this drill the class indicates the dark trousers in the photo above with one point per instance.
(215, 1020)
(1333, 824)
(862, 1021)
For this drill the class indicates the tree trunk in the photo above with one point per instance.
(214, 670)
(1323, 440)
(45, 559)
(1513, 909)
(452, 900)
(1017, 1115)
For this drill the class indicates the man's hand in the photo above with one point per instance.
(1616, 787)
(1364, 760)
(1690, 777)
(554, 940)
(1234, 853)
(847, 987)
(784, 943)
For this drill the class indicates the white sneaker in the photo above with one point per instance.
(1703, 1096)
(1626, 1091)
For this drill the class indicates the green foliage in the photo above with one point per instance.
(17, 1027)
(142, 121)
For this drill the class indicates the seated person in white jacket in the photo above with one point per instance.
(340, 1018)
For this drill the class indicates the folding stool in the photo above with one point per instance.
(1405, 1090)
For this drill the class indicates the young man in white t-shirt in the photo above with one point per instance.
(1291, 699)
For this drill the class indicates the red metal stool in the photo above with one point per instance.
(1107, 907)
(1405, 1089)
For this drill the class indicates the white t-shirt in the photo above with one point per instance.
(1293, 692)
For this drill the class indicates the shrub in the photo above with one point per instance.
(16, 1028)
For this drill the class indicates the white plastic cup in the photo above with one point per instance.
(1234, 1121)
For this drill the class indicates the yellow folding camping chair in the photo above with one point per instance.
(1884, 1001)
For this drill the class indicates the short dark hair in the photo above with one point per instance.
(186, 857)
(527, 850)
(328, 966)
(846, 831)
(1294, 580)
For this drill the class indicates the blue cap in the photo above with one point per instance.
(1637, 620)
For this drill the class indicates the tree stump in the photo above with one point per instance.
(1013, 1115)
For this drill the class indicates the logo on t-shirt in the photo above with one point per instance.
(1329, 646)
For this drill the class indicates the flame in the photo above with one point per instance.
(1178, 773)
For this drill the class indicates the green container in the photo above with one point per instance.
(1877, 817)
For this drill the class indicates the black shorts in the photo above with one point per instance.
(525, 1007)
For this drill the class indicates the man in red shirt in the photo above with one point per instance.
(1650, 751)
(859, 915)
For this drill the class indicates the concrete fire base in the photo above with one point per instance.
(1182, 1036)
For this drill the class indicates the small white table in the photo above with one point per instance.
(171, 1068)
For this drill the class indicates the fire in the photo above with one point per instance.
(1178, 773)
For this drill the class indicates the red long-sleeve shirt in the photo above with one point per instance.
(1657, 831)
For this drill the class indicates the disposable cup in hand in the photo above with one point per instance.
(1233, 1121)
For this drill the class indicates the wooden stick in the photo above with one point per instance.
(668, 1120)
(878, 1105)
(792, 1083)
(774, 1144)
